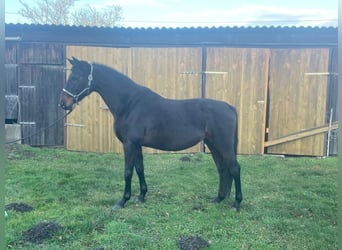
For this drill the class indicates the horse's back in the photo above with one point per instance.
(219, 110)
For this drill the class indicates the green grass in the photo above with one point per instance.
(289, 203)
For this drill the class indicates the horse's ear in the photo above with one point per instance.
(73, 60)
(70, 61)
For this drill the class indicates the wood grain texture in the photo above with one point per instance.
(159, 69)
(243, 86)
(298, 100)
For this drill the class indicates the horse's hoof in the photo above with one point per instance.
(236, 208)
(139, 200)
(218, 199)
(117, 207)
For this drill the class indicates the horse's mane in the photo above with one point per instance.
(113, 73)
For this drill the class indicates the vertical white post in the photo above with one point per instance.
(329, 131)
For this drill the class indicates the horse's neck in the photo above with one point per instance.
(116, 91)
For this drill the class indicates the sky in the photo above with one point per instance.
(212, 13)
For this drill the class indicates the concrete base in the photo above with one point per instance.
(13, 133)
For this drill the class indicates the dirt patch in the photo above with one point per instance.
(42, 231)
(192, 243)
(192, 157)
(185, 158)
(199, 208)
(100, 228)
(18, 152)
(19, 207)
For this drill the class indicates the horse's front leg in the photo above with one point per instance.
(130, 151)
(139, 167)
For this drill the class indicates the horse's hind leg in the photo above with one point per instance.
(229, 170)
(225, 178)
(231, 166)
(235, 171)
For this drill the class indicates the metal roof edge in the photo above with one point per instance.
(260, 36)
(51, 26)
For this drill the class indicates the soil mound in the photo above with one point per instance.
(192, 243)
(42, 231)
(19, 207)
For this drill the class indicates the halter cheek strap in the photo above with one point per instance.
(77, 96)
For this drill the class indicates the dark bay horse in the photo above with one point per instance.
(144, 118)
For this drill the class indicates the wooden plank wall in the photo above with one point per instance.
(41, 71)
(163, 71)
(253, 80)
(239, 77)
(11, 85)
(332, 102)
(89, 126)
(297, 100)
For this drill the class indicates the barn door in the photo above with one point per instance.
(41, 77)
(11, 85)
(239, 76)
(297, 107)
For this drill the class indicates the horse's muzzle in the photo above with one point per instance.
(66, 102)
(63, 106)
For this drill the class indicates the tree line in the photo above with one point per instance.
(61, 12)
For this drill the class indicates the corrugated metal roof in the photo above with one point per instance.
(261, 36)
(26, 25)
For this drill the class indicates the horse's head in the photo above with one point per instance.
(78, 84)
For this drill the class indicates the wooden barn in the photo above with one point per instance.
(282, 80)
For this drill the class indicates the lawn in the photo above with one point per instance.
(289, 203)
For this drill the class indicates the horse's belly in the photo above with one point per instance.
(171, 147)
(174, 140)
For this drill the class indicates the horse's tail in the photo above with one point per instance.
(236, 139)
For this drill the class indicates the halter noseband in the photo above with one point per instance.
(77, 96)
